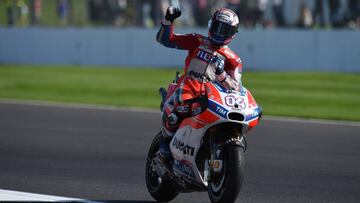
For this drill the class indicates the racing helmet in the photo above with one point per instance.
(223, 25)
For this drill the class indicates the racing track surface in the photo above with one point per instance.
(99, 154)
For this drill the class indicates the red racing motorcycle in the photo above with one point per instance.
(208, 148)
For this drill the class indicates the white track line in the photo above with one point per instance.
(78, 106)
(312, 121)
(144, 110)
(10, 195)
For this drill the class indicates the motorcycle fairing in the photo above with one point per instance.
(223, 106)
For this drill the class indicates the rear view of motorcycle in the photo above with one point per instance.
(208, 148)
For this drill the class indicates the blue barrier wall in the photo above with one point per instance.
(261, 50)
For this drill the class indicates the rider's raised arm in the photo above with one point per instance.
(166, 37)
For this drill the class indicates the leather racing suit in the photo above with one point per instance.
(198, 64)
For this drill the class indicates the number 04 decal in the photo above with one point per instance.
(232, 101)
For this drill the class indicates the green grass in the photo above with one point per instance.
(310, 95)
(112, 86)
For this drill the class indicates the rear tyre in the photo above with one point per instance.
(160, 188)
(225, 189)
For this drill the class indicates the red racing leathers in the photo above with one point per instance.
(197, 65)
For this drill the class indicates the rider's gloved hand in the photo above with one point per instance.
(218, 63)
(172, 13)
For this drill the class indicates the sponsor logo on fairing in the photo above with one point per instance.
(221, 111)
(186, 149)
(217, 109)
(184, 168)
(254, 114)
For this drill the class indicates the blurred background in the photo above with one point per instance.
(254, 14)
(323, 33)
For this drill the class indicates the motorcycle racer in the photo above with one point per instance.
(209, 58)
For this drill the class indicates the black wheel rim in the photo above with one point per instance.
(154, 179)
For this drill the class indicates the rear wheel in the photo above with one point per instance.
(225, 186)
(160, 188)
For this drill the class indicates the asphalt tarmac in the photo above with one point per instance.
(99, 154)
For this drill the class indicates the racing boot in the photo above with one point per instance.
(168, 132)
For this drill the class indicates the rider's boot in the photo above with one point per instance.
(168, 131)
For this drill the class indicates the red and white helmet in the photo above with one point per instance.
(223, 26)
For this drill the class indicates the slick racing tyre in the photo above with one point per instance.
(225, 187)
(160, 188)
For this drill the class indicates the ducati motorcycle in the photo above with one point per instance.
(208, 148)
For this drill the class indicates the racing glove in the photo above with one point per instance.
(221, 75)
(172, 13)
(219, 64)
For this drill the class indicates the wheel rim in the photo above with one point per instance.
(217, 185)
(154, 179)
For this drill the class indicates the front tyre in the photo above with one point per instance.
(226, 187)
(160, 188)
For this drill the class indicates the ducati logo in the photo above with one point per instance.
(196, 74)
(186, 149)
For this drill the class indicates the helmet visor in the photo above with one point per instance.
(222, 29)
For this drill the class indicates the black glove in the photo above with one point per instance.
(218, 63)
(172, 13)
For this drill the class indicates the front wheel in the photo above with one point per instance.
(160, 188)
(225, 187)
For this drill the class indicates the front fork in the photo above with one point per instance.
(215, 163)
